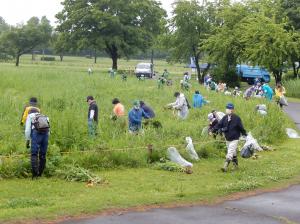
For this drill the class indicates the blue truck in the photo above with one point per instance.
(250, 73)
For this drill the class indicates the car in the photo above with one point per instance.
(144, 69)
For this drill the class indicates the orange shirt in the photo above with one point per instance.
(119, 110)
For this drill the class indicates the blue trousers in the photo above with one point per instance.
(39, 146)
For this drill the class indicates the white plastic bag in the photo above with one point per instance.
(262, 112)
(190, 148)
(292, 133)
(283, 101)
(175, 157)
(261, 107)
(204, 131)
(252, 141)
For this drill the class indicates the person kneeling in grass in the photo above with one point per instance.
(232, 127)
(135, 116)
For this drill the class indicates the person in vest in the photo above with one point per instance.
(32, 106)
(37, 130)
(232, 128)
(92, 116)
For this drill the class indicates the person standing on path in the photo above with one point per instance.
(232, 127)
(92, 116)
(279, 93)
(37, 130)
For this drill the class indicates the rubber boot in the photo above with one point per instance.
(235, 162)
(42, 165)
(34, 166)
(226, 164)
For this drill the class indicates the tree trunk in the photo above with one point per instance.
(198, 69)
(18, 60)
(32, 56)
(61, 57)
(95, 56)
(152, 56)
(115, 62)
(277, 76)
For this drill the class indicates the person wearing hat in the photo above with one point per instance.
(29, 109)
(213, 122)
(181, 105)
(92, 116)
(135, 116)
(119, 109)
(197, 100)
(232, 127)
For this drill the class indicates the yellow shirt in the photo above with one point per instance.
(280, 93)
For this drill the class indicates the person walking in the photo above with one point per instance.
(279, 93)
(197, 100)
(28, 108)
(37, 130)
(232, 127)
(92, 116)
(180, 105)
(135, 116)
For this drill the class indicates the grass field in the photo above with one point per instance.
(62, 88)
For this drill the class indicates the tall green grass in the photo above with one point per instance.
(62, 90)
(292, 88)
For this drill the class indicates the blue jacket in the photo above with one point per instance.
(135, 119)
(148, 110)
(197, 101)
(268, 92)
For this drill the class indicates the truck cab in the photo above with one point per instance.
(250, 73)
(144, 69)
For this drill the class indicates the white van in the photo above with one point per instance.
(145, 69)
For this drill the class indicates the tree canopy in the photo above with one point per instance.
(24, 38)
(120, 27)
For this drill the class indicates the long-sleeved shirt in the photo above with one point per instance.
(197, 101)
(135, 117)
(148, 110)
(232, 127)
(181, 105)
(280, 92)
(29, 126)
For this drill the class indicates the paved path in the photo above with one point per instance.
(268, 208)
(294, 111)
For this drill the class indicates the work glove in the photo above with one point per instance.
(27, 144)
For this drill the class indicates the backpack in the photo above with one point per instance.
(187, 103)
(41, 123)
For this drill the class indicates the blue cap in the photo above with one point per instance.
(230, 106)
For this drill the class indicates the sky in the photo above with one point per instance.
(19, 11)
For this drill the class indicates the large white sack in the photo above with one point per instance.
(190, 148)
(175, 157)
(250, 140)
(292, 133)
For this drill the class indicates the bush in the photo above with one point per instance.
(292, 88)
(47, 58)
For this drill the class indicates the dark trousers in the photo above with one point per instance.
(39, 145)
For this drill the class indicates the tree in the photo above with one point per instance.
(24, 38)
(223, 47)
(120, 27)
(61, 43)
(187, 30)
(291, 9)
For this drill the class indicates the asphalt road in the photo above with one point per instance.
(268, 208)
(294, 112)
